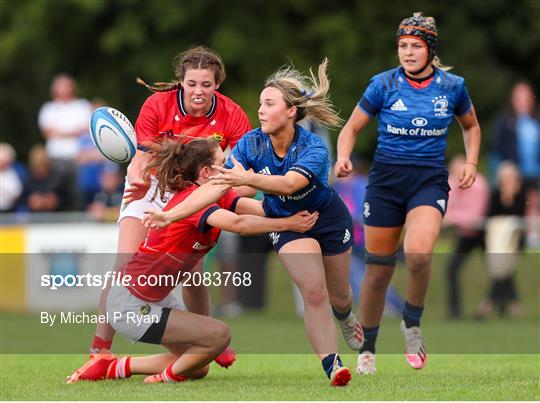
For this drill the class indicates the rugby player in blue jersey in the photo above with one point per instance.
(290, 165)
(408, 180)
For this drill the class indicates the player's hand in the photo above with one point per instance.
(136, 190)
(343, 167)
(155, 219)
(467, 176)
(236, 176)
(302, 221)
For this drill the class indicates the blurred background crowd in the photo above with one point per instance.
(60, 60)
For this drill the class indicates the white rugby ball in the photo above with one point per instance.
(113, 134)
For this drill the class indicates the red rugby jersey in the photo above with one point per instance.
(163, 114)
(174, 249)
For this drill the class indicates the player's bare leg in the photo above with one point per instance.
(155, 364)
(307, 271)
(130, 235)
(340, 295)
(197, 300)
(204, 337)
(421, 232)
(106, 366)
(379, 242)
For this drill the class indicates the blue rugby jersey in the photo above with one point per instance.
(307, 155)
(413, 122)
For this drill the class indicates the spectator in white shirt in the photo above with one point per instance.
(63, 120)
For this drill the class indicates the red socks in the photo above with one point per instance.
(168, 376)
(119, 368)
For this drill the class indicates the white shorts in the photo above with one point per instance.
(131, 316)
(138, 207)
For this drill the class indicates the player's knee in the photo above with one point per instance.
(315, 296)
(222, 336)
(418, 263)
(377, 280)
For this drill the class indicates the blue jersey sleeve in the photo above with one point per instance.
(312, 161)
(463, 101)
(372, 100)
(240, 154)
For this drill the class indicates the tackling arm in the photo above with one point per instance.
(201, 197)
(250, 224)
(275, 184)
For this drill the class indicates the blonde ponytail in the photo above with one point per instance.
(308, 93)
(438, 64)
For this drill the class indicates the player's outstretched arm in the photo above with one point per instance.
(471, 137)
(346, 140)
(200, 198)
(249, 224)
(283, 185)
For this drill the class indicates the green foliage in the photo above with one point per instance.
(107, 44)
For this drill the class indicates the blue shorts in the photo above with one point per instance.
(394, 190)
(333, 230)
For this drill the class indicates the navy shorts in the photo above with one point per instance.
(333, 229)
(394, 190)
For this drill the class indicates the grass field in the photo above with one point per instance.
(288, 377)
(498, 359)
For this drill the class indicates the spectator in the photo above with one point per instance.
(107, 201)
(45, 189)
(517, 138)
(504, 240)
(63, 120)
(466, 211)
(11, 182)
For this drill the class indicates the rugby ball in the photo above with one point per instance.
(113, 134)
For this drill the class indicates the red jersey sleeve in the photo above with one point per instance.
(229, 200)
(238, 126)
(147, 124)
(198, 220)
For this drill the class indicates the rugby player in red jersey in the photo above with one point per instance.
(191, 106)
(192, 340)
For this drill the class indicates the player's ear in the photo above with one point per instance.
(292, 112)
(205, 172)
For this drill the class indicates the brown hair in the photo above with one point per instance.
(199, 57)
(176, 165)
(307, 93)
